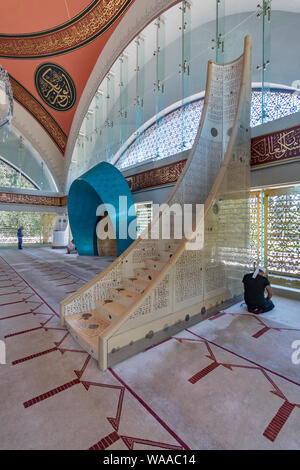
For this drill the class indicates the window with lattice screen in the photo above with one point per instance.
(255, 227)
(143, 215)
(282, 230)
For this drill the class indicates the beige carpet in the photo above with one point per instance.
(227, 383)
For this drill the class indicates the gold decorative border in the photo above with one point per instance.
(44, 118)
(31, 199)
(64, 200)
(81, 30)
(166, 174)
(276, 147)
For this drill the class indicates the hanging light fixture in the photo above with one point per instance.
(6, 98)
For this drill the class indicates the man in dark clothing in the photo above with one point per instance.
(254, 288)
(20, 237)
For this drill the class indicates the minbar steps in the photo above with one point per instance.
(86, 326)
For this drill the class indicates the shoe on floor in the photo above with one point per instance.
(257, 311)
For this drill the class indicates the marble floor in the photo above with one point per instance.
(227, 383)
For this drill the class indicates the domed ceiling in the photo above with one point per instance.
(57, 53)
(49, 50)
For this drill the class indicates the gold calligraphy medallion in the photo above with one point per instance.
(55, 86)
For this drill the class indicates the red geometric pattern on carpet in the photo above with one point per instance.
(259, 320)
(114, 421)
(283, 413)
(271, 432)
(279, 420)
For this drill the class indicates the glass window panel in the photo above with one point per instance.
(279, 103)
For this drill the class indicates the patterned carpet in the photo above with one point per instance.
(226, 383)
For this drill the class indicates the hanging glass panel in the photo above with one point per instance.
(266, 56)
(185, 66)
(99, 127)
(159, 85)
(123, 111)
(220, 31)
(109, 122)
(140, 82)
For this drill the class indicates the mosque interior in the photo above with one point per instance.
(149, 159)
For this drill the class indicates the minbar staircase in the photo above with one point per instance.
(158, 287)
(86, 326)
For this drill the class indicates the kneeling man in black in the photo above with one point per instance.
(254, 289)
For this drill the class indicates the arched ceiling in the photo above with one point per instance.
(137, 18)
(78, 38)
(67, 36)
(19, 17)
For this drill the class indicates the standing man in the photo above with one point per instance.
(254, 289)
(20, 237)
